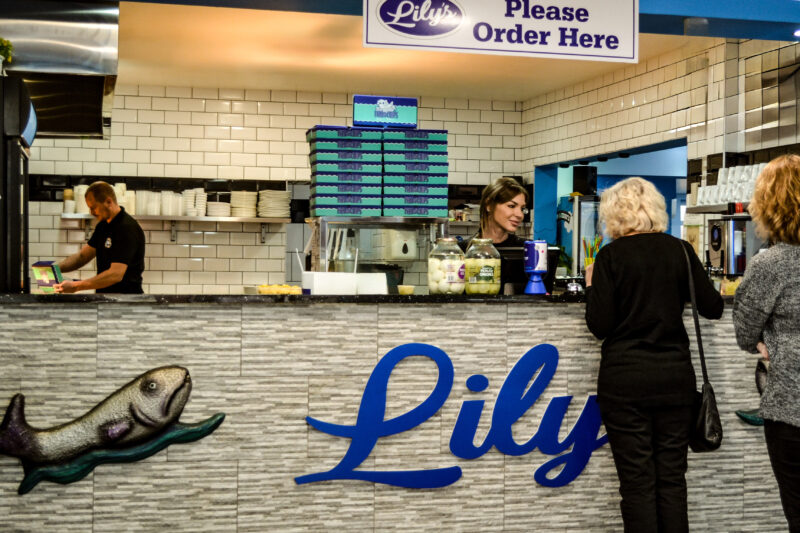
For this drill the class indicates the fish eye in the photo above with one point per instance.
(152, 385)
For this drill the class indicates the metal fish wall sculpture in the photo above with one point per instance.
(133, 423)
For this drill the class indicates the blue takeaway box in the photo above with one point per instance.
(347, 177)
(343, 132)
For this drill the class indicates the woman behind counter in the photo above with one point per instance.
(636, 292)
(502, 210)
(766, 316)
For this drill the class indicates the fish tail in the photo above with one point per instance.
(15, 433)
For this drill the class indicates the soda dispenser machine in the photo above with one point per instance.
(732, 242)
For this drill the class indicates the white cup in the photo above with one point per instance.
(69, 206)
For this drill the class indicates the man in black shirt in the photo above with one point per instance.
(117, 243)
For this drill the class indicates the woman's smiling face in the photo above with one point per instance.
(508, 215)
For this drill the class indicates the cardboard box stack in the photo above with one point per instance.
(373, 172)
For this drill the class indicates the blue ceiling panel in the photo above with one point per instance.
(740, 19)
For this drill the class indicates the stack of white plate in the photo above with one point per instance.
(200, 202)
(130, 202)
(243, 203)
(187, 202)
(273, 204)
(80, 199)
(218, 209)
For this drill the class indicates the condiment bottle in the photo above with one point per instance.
(446, 267)
(483, 267)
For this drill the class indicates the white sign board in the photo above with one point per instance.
(597, 30)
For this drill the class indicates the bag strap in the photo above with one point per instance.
(694, 313)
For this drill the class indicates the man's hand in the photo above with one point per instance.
(588, 275)
(762, 349)
(66, 287)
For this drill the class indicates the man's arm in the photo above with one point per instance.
(104, 279)
(77, 260)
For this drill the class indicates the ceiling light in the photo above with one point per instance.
(602, 158)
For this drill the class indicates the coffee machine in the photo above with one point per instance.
(731, 242)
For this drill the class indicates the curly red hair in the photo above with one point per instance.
(775, 205)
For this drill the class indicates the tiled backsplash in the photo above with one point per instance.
(188, 132)
(207, 257)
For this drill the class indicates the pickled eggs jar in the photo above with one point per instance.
(482, 267)
(446, 267)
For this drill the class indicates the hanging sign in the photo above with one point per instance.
(606, 30)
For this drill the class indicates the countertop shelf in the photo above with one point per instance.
(271, 220)
(718, 209)
(175, 219)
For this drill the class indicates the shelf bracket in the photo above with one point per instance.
(173, 231)
(263, 233)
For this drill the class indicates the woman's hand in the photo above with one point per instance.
(762, 349)
(588, 275)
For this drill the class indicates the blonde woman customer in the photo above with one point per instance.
(766, 315)
(636, 292)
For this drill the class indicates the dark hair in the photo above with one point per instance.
(500, 191)
(100, 191)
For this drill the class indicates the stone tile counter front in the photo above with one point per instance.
(268, 362)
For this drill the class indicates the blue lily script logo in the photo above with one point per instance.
(537, 367)
(421, 18)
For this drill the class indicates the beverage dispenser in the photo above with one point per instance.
(732, 241)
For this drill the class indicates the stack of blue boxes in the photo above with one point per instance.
(346, 171)
(414, 173)
(373, 172)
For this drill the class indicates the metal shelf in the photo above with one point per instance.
(271, 220)
(718, 209)
(175, 218)
(320, 225)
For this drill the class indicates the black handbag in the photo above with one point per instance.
(706, 431)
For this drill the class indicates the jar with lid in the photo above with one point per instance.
(446, 267)
(482, 267)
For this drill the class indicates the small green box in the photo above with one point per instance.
(414, 157)
(415, 135)
(346, 177)
(420, 168)
(328, 167)
(346, 155)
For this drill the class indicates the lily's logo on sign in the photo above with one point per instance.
(421, 18)
(523, 386)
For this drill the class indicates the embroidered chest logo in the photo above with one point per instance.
(108, 242)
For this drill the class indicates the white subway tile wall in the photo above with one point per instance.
(241, 134)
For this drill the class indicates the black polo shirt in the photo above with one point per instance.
(120, 241)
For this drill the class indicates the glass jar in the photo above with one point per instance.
(446, 267)
(483, 267)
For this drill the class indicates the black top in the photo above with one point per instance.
(512, 264)
(120, 241)
(639, 288)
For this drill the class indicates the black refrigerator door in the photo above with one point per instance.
(14, 276)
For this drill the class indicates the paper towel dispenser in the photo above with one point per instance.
(400, 244)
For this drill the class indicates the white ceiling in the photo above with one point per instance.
(189, 46)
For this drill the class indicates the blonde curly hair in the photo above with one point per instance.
(775, 205)
(632, 205)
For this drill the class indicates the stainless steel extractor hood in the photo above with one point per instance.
(67, 54)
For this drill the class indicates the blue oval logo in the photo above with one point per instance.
(421, 18)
